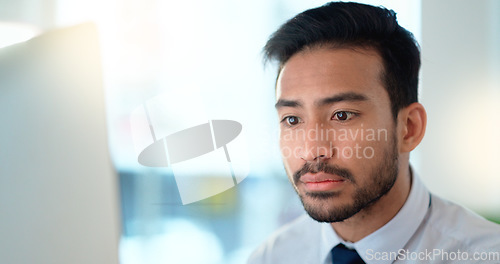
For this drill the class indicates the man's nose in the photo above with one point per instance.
(316, 145)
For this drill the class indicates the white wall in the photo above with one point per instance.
(460, 88)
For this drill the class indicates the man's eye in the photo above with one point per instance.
(343, 115)
(291, 120)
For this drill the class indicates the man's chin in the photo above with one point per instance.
(320, 207)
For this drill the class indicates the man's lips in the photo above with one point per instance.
(321, 181)
(320, 177)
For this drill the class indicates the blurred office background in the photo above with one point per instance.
(153, 47)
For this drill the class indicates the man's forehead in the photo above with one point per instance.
(329, 71)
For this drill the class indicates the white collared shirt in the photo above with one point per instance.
(427, 229)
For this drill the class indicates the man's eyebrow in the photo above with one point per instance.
(350, 96)
(287, 103)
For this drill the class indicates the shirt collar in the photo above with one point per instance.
(385, 240)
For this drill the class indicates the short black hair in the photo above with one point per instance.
(349, 24)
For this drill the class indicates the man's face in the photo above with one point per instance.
(337, 132)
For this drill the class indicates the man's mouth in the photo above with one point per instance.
(321, 182)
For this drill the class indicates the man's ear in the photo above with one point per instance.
(412, 121)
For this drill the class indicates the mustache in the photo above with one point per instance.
(325, 168)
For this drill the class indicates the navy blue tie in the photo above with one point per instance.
(343, 255)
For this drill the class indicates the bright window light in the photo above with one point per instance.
(12, 33)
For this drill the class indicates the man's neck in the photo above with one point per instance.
(378, 214)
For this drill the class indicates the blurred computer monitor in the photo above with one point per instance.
(58, 189)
